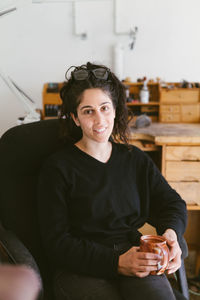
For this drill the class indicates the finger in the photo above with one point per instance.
(146, 268)
(171, 242)
(175, 255)
(172, 255)
(137, 248)
(172, 270)
(134, 249)
(148, 262)
(173, 266)
(174, 252)
(149, 255)
(142, 274)
(175, 262)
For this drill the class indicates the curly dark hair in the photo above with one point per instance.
(71, 94)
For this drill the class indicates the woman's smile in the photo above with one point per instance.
(100, 130)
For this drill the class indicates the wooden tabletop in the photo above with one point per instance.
(173, 134)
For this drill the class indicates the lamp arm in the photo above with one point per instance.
(29, 106)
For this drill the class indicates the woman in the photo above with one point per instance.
(95, 193)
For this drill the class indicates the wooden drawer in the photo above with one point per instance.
(170, 118)
(169, 108)
(149, 109)
(190, 113)
(179, 153)
(182, 171)
(179, 95)
(189, 191)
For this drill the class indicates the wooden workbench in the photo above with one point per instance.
(179, 145)
(173, 134)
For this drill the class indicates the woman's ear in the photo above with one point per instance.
(75, 119)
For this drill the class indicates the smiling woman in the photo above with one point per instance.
(95, 116)
(107, 88)
(96, 193)
(94, 109)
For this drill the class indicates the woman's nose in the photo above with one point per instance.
(98, 117)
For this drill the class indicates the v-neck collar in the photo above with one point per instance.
(90, 157)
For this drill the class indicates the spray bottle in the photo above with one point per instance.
(144, 93)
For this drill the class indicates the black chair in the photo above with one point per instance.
(22, 151)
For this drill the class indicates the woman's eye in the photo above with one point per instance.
(105, 108)
(88, 112)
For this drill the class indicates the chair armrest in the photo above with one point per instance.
(181, 272)
(182, 280)
(183, 246)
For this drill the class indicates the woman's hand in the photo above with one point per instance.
(135, 263)
(174, 251)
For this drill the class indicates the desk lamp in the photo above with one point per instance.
(31, 114)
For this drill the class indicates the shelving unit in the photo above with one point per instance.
(177, 105)
(151, 108)
(135, 87)
(51, 102)
(143, 104)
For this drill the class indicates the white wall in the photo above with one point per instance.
(38, 44)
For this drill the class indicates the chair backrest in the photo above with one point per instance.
(22, 151)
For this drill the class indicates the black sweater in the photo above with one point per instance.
(85, 206)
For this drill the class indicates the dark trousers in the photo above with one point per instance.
(77, 287)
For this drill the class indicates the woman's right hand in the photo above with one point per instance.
(136, 263)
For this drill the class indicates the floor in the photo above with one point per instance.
(194, 297)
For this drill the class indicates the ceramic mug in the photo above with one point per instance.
(156, 244)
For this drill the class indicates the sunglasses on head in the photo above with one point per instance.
(82, 74)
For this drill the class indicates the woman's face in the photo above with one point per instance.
(95, 115)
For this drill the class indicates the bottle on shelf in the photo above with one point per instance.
(144, 93)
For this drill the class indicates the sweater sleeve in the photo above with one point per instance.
(64, 250)
(166, 208)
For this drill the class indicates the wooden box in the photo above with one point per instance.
(179, 95)
(179, 105)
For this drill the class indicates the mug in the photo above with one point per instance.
(156, 244)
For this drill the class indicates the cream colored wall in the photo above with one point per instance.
(38, 44)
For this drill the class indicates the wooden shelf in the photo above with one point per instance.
(49, 118)
(143, 104)
(178, 105)
(193, 207)
(133, 84)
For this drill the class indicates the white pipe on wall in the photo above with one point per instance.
(118, 60)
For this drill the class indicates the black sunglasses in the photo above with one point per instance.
(82, 74)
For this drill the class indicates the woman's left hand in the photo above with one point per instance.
(174, 251)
